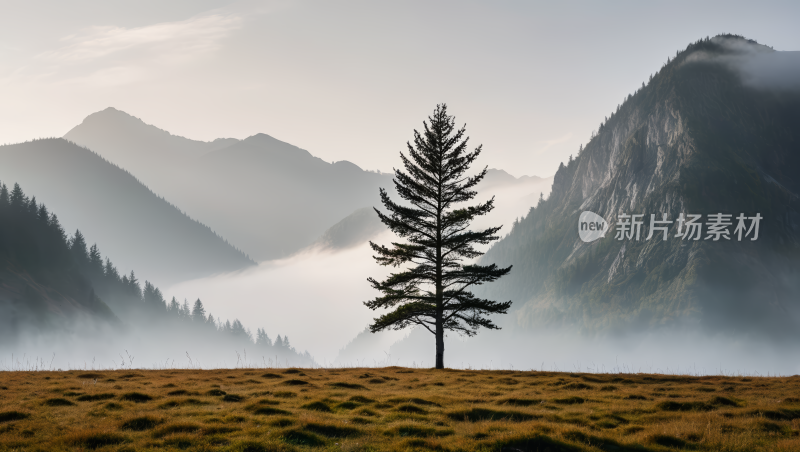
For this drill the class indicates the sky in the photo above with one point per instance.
(350, 80)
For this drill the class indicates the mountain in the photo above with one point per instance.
(358, 228)
(268, 197)
(714, 131)
(140, 148)
(57, 295)
(273, 198)
(137, 228)
(514, 196)
(497, 177)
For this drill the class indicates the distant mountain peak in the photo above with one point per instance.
(112, 114)
(135, 145)
(261, 137)
(496, 177)
(112, 117)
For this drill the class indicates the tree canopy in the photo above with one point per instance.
(431, 289)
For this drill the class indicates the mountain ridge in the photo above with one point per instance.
(694, 139)
(139, 229)
(268, 197)
(111, 121)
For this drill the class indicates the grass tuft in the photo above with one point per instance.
(301, 438)
(284, 394)
(218, 430)
(519, 402)
(57, 402)
(141, 423)
(270, 411)
(180, 441)
(318, 406)
(414, 400)
(178, 392)
(536, 442)
(684, 406)
(254, 446)
(777, 415)
(360, 420)
(8, 416)
(347, 385)
(420, 432)
(483, 414)
(667, 441)
(723, 401)
(95, 397)
(282, 422)
(90, 376)
(136, 397)
(171, 429)
(332, 431)
(408, 408)
(570, 400)
(94, 439)
(347, 406)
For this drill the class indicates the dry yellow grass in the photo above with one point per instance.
(392, 409)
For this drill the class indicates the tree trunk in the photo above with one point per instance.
(439, 347)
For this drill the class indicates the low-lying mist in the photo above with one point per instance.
(91, 345)
(664, 351)
(315, 297)
(673, 351)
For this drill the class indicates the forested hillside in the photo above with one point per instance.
(702, 136)
(144, 230)
(53, 286)
(41, 288)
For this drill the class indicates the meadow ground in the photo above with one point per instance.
(394, 409)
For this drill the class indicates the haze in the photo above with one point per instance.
(230, 153)
(350, 80)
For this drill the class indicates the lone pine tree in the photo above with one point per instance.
(431, 289)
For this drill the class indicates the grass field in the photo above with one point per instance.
(393, 409)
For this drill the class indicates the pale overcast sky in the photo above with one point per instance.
(349, 80)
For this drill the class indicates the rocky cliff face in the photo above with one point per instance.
(697, 139)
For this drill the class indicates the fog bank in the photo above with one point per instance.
(314, 297)
(665, 351)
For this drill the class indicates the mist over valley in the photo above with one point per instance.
(298, 226)
(272, 240)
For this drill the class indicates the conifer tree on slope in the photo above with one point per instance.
(198, 312)
(431, 288)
